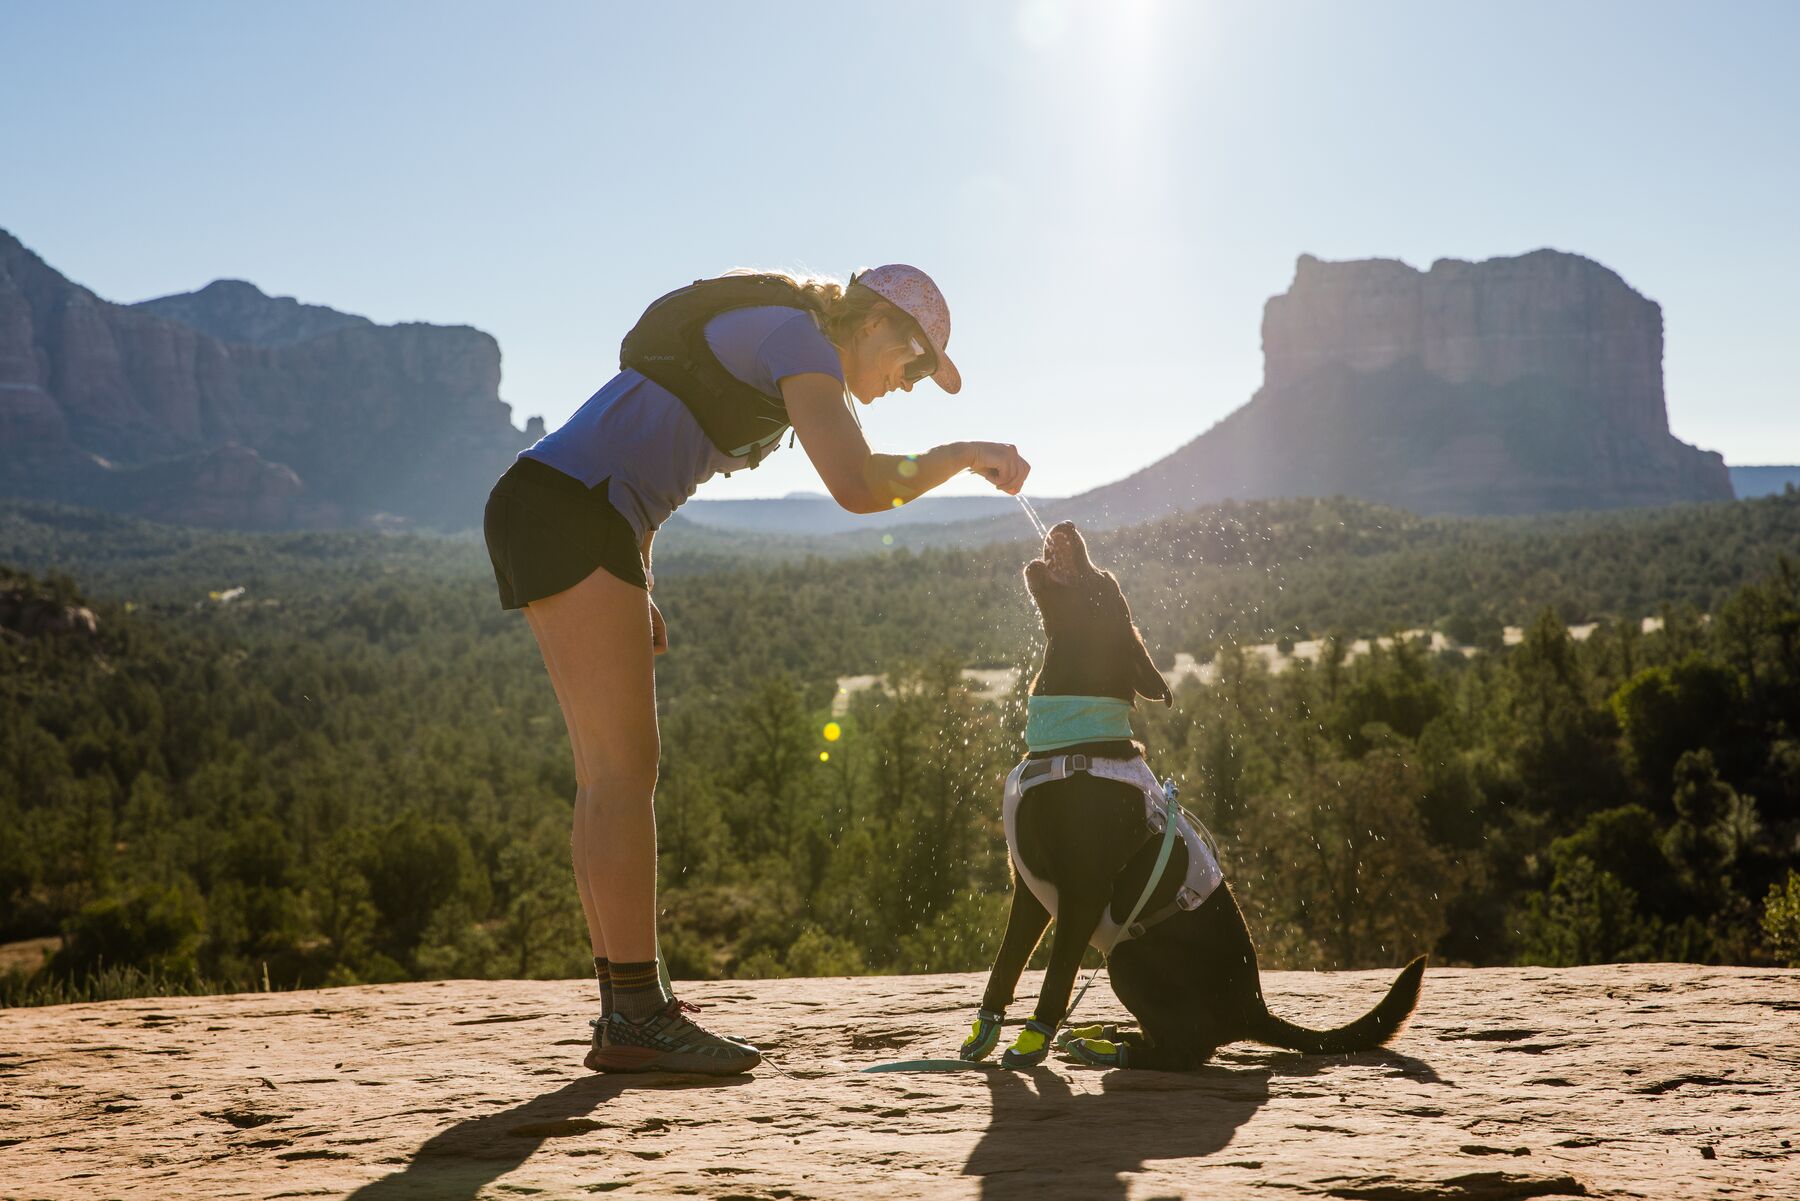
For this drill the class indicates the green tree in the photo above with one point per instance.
(415, 868)
(1781, 920)
(1587, 916)
(1665, 711)
(1348, 869)
(154, 928)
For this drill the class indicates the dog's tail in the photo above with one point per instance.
(1366, 1033)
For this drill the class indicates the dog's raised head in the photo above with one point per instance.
(1092, 647)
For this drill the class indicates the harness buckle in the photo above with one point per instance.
(1187, 898)
(1076, 763)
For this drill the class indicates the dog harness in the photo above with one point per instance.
(1203, 874)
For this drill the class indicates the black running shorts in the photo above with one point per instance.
(547, 532)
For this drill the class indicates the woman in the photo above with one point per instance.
(713, 376)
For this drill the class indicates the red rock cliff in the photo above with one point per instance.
(301, 417)
(1514, 385)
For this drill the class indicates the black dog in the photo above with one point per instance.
(1187, 970)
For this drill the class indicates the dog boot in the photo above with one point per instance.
(984, 1036)
(1097, 1052)
(1031, 1047)
(1069, 1034)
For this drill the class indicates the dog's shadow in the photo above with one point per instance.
(1042, 1136)
(460, 1161)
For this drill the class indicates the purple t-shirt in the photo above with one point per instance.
(637, 436)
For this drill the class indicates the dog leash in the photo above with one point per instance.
(1170, 809)
(1170, 791)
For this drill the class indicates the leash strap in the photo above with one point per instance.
(933, 1065)
(1170, 810)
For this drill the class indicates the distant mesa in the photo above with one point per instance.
(228, 407)
(1514, 385)
(232, 310)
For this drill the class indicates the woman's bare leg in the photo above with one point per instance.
(596, 936)
(595, 637)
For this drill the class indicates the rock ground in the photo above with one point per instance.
(1625, 1081)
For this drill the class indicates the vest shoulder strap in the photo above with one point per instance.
(668, 345)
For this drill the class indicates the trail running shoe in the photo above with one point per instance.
(667, 1041)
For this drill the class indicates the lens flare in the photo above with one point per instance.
(833, 731)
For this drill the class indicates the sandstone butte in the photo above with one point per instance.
(1651, 1080)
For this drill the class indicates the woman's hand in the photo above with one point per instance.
(659, 632)
(1000, 464)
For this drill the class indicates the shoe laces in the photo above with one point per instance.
(677, 1010)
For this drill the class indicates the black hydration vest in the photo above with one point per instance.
(668, 345)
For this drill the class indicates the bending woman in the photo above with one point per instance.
(713, 376)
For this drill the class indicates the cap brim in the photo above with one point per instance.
(947, 376)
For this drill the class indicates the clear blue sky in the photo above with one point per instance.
(1107, 192)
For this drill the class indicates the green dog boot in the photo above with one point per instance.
(984, 1036)
(1069, 1034)
(1031, 1047)
(1098, 1052)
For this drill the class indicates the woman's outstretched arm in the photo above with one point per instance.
(865, 482)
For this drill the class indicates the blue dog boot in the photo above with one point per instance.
(1031, 1047)
(1097, 1052)
(984, 1036)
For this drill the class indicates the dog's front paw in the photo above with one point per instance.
(984, 1036)
(1031, 1047)
(1096, 1052)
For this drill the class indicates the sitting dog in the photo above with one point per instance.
(1084, 820)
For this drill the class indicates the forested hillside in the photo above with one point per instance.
(354, 768)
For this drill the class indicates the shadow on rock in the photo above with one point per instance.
(1302, 1066)
(458, 1162)
(1044, 1141)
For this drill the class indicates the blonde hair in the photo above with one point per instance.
(839, 309)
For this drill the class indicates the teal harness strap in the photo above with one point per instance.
(1053, 722)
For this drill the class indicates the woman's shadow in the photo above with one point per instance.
(458, 1162)
(1084, 1144)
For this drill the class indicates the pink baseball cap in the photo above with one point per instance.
(911, 291)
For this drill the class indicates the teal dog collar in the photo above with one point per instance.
(1053, 722)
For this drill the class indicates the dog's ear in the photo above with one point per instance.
(1145, 678)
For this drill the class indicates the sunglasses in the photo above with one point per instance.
(924, 360)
